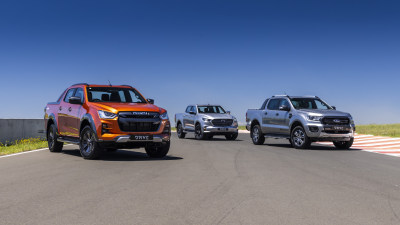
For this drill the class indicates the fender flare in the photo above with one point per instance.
(87, 117)
(52, 118)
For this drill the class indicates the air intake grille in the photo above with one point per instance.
(222, 122)
(335, 120)
(139, 121)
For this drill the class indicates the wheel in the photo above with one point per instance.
(179, 131)
(154, 151)
(299, 138)
(256, 135)
(198, 132)
(54, 145)
(343, 144)
(88, 146)
(231, 137)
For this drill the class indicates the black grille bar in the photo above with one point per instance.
(222, 122)
(139, 121)
(335, 121)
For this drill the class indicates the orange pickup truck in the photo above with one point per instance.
(102, 118)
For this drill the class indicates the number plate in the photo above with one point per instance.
(141, 137)
(339, 128)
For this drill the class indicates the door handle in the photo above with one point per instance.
(69, 109)
(266, 113)
(290, 115)
(277, 114)
(60, 108)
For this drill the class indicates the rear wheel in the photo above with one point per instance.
(54, 145)
(343, 144)
(299, 138)
(256, 135)
(231, 137)
(179, 131)
(198, 132)
(155, 151)
(88, 146)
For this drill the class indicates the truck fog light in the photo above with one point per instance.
(105, 126)
(313, 128)
(205, 128)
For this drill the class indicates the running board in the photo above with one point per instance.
(69, 140)
(277, 136)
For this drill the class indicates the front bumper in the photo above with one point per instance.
(155, 138)
(321, 132)
(216, 129)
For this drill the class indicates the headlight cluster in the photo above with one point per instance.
(164, 116)
(314, 118)
(106, 115)
(206, 119)
(235, 122)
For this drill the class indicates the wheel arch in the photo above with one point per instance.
(87, 119)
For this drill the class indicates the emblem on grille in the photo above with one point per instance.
(337, 121)
(223, 121)
(141, 113)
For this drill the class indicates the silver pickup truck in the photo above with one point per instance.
(302, 120)
(206, 121)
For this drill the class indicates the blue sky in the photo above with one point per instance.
(233, 53)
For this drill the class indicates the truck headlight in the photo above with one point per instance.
(314, 118)
(106, 115)
(164, 116)
(206, 120)
(235, 122)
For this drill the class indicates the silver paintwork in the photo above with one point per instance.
(279, 122)
(189, 121)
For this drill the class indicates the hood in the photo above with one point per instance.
(116, 107)
(325, 112)
(217, 116)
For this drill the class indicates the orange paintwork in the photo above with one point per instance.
(69, 123)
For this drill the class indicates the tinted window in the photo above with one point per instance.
(114, 94)
(211, 109)
(188, 109)
(309, 103)
(273, 104)
(69, 94)
(284, 102)
(79, 94)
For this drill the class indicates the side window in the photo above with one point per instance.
(273, 104)
(79, 94)
(188, 109)
(69, 94)
(193, 109)
(264, 104)
(284, 102)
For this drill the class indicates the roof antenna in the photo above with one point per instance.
(109, 83)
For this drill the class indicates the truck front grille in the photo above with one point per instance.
(335, 121)
(139, 121)
(222, 122)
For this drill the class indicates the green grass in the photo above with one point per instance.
(22, 146)
(388, 130)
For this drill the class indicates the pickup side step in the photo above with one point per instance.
(69, 140)
(277, 136)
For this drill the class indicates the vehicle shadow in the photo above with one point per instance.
(314, 147)
(122, 155)
(213, 139)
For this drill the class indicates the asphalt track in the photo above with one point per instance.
(202, 182)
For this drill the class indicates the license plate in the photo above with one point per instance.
(338, 128)
(141, 137)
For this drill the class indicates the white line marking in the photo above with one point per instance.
(364, 136)
(376, 144)
(391, 146)
(29, 151)
(376, 140)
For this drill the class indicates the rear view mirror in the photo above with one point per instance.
(229, 112)
(334, 107)
(284, 108)
(75, 100)
(192, 112)
(151, 101)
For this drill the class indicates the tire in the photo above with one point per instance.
(198, 133)
(343, 144)
(179, 131)
(54, 145)
(299, 138)
(88, 146)
(256, 135)
(158, 151)
(231, 137)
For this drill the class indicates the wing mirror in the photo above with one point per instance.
(75, 100)
(333, 107)
(192, 112)
(150, 100)
(229, 112)
(284, 108)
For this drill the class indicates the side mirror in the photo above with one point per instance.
(192, 112)
(229, 112)
(334, 107)
(151, 101)
(75, 100)
(284, 108)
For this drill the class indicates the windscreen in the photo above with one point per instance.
(114, 94)
(309, 103)
(211, 109)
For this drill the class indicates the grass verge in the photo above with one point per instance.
(388, 130)
(22, 146)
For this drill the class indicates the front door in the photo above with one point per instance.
(283, 119)
(63, 113)
(271, 117)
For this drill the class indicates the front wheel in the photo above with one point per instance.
(198, 133)
(88, 145)
(343, 144)
(154, 151)
(54, 145)
(299, 138)
(257, 136)
(231, 137)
